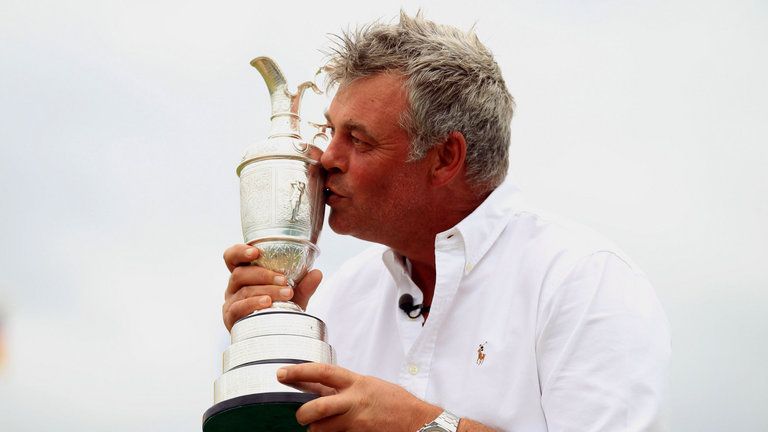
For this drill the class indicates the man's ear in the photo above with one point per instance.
(449, 159)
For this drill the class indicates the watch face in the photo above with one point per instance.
(434, 429)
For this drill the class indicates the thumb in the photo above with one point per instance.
(306, 288)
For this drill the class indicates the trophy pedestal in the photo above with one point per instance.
(247, 396)
(263, 412)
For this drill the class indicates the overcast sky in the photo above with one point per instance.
(123, 122)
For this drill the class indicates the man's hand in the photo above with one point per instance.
(352, 402)
(253, 288)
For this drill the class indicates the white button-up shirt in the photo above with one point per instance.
(536, 324)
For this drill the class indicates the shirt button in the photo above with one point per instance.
(469, 267)
(413, 369)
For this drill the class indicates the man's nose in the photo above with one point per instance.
(333, 158)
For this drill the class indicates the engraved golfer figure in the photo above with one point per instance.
(297, 192)
(481, 353)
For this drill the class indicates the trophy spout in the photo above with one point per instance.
(285, 105)
(271, 73)
(276, 84)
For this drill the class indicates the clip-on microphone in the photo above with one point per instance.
(406, 305)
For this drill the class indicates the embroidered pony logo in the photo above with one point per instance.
(481, 353)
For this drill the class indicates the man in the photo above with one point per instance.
(570, 334)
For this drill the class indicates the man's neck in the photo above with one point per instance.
(423, 275)
(419, 245)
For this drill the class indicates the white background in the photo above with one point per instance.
(122, 124)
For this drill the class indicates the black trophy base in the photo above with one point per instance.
(261, 412)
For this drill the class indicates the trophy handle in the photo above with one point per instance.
(321, 137)
(296, 96)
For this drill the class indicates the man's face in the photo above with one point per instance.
(375, 193)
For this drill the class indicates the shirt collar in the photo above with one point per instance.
(480, 229)
(398, 268)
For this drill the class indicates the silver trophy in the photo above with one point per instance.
(281, 207)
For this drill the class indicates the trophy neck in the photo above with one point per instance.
(285, 124)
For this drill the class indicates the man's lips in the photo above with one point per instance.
(331, 196)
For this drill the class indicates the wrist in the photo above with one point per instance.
(446, 421)
(425, 413)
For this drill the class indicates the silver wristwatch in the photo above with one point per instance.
(445, 422)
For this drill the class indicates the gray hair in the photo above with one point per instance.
(452, 82)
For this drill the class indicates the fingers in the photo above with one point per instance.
(231, 313)
(252, 275)
(322, 412)
(307, 287)
(315, 388)
(240, 254)
(251, 287)
(275, 292)
(328, 375)
(252, 298)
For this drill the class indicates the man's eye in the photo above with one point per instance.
(357, 141)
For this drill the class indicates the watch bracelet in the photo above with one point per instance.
(446, 421)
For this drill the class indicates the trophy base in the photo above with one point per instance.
(261, 412)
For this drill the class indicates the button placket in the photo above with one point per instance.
(449, 260)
